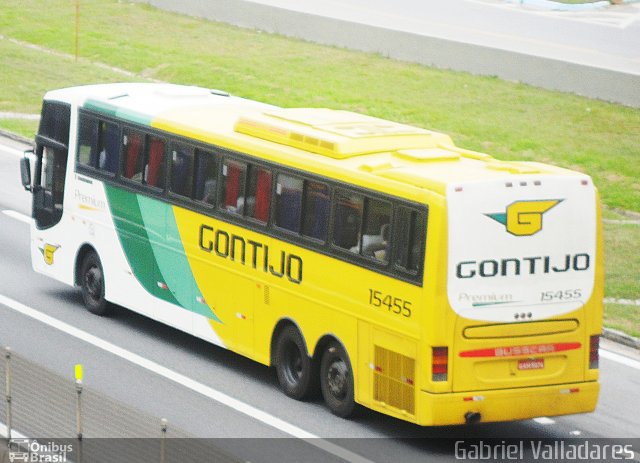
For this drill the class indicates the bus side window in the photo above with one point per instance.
(108, 147)
(348, 219)
(87, 136)
(233, 189)
(132, 166)
(288, 202)
(258, 194)
(317, 203)
(181, 170)
(206, 177)
(375, 236)
(154, 170)
(410, 235)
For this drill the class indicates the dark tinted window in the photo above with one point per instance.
(348, 219)
(133, 153)
(54, 121)
(317, 205)
(206, 177)
(233, 174)
(376, 229)
(87, 136)
(258, 193)
(410, 234)
(288, 202)
(182, 170)
(154, 168)
(108, 147)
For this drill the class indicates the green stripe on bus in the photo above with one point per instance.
(101, 107)
(171, 258)
(121, 113)
(136, 237)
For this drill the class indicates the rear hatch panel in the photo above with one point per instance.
(521, 266)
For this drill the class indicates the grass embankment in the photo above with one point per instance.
(505, 119)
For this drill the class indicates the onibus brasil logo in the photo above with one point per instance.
(524, 218)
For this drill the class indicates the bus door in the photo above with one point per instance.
(50, 166)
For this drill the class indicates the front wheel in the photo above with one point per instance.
(92, 284)
(336, 381)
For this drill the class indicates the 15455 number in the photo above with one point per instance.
(393, 304)
(561, 295)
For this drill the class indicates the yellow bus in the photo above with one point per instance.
(372, 261)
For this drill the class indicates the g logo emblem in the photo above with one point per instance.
(47, 252)
(524, 218)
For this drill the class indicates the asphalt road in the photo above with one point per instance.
(210, 392)
(608, 38)
(592, 53)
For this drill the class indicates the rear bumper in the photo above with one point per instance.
(507, 405)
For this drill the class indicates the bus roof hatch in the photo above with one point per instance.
(335, 133)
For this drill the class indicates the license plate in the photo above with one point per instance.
(531, 364)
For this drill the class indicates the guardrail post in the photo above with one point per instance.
(7, 356)
(163, 440)
(79, 374)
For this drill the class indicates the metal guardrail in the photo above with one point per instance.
(60, 413)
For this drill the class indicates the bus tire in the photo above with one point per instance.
(92, 284)
(294, 368)
(336, 380)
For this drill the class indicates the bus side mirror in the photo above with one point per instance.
(25, 171)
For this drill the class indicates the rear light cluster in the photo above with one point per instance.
(594, 356)
(440, 364)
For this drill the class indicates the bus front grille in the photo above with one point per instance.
(394, 379)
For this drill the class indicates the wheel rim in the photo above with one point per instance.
(293, 367)
(337, 378)
(93, 282)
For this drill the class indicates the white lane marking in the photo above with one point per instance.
(627, 361)
(18, 216)
(14, 434)
(544, 420)
(11, 150)
(185, 381)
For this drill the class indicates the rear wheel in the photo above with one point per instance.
(294, 368)
(336, 380)
(92, 284)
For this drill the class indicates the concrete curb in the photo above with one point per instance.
(621, 338)
(15, 137)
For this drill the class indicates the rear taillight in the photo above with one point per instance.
(440, 364)
(594, 356)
